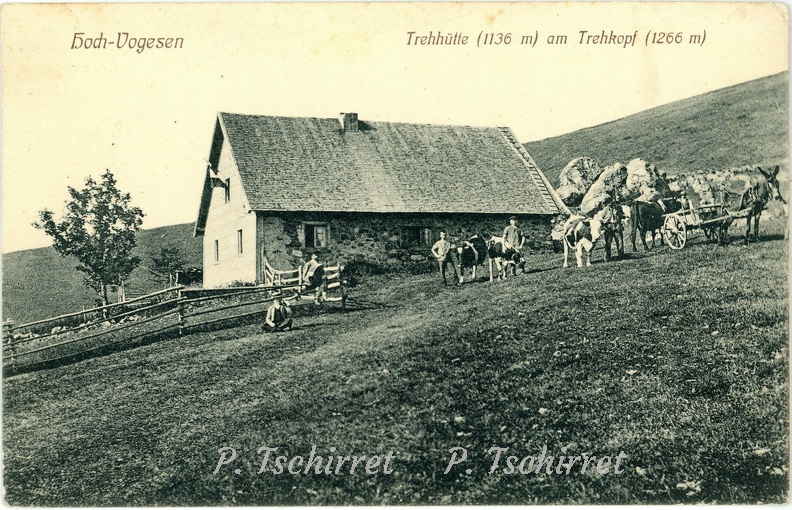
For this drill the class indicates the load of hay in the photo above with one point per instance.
(609, 185)
(638, 180)
(575, 180)
(721, 186)
(645, 182)
(698, 189)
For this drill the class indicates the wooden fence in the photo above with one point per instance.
(288, 277)
(164, 314)
(294, 279)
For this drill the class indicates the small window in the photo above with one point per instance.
(416, 236)
(228, 190)
(217, 250)
(315, 236)
(239, 241)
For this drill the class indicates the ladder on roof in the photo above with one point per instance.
(548, 194)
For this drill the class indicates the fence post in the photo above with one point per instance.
(181, 311)
(8, 327)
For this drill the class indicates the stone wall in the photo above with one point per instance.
(379, 239)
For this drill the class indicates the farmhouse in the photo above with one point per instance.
(378, 193)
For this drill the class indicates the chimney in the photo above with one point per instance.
(349, 121)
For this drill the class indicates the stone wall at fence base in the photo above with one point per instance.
(384, 241)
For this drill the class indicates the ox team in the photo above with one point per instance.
(506, 251)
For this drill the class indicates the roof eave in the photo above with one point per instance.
(213, 162)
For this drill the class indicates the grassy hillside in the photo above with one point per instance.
(677, 359)
(746, 124)
(40, 283)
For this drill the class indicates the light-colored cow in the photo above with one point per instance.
(580, 233)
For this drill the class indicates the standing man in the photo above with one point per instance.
(313, 276)
(513, 235)
(513, 238)
(278, 317)
(442, 252)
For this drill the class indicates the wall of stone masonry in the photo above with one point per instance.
(378, 239)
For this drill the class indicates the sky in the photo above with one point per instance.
(69, 112)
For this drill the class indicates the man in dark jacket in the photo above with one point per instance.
(278, 317)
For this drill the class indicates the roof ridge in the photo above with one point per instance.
(397, 123)
(548, 193)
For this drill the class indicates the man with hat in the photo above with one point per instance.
(278, 317)
(513, 236)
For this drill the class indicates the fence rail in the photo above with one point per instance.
(169, 312)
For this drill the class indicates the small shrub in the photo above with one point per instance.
(239, 283)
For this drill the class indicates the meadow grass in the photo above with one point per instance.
(678, 359)
(745, 124)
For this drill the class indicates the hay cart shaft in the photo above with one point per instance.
(713, 220)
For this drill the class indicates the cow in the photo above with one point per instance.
(648, 217)
(470, 254)
(580, 233)
(611, 218)
(503, 257)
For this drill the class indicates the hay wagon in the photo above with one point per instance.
(713, 220)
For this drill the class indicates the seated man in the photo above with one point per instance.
(278, 317)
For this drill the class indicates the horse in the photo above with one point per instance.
(580, 233)
(611, 218)
(757, 191)
(648, 217)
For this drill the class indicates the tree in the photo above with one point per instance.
(166, 264)
(169, 266)
(98, 229)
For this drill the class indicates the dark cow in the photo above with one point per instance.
(503, 257)
(648, 217)
(580, 233)
(611, 218)
(471, 254)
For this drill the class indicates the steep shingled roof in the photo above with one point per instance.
(312, 164)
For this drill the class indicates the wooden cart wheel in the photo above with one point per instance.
(675, 232)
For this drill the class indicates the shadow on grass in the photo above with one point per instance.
(356, 304)
(126, 344)
(537, 270)
(770, 237)
(313, 326)
(96, 352)
(114, 346)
